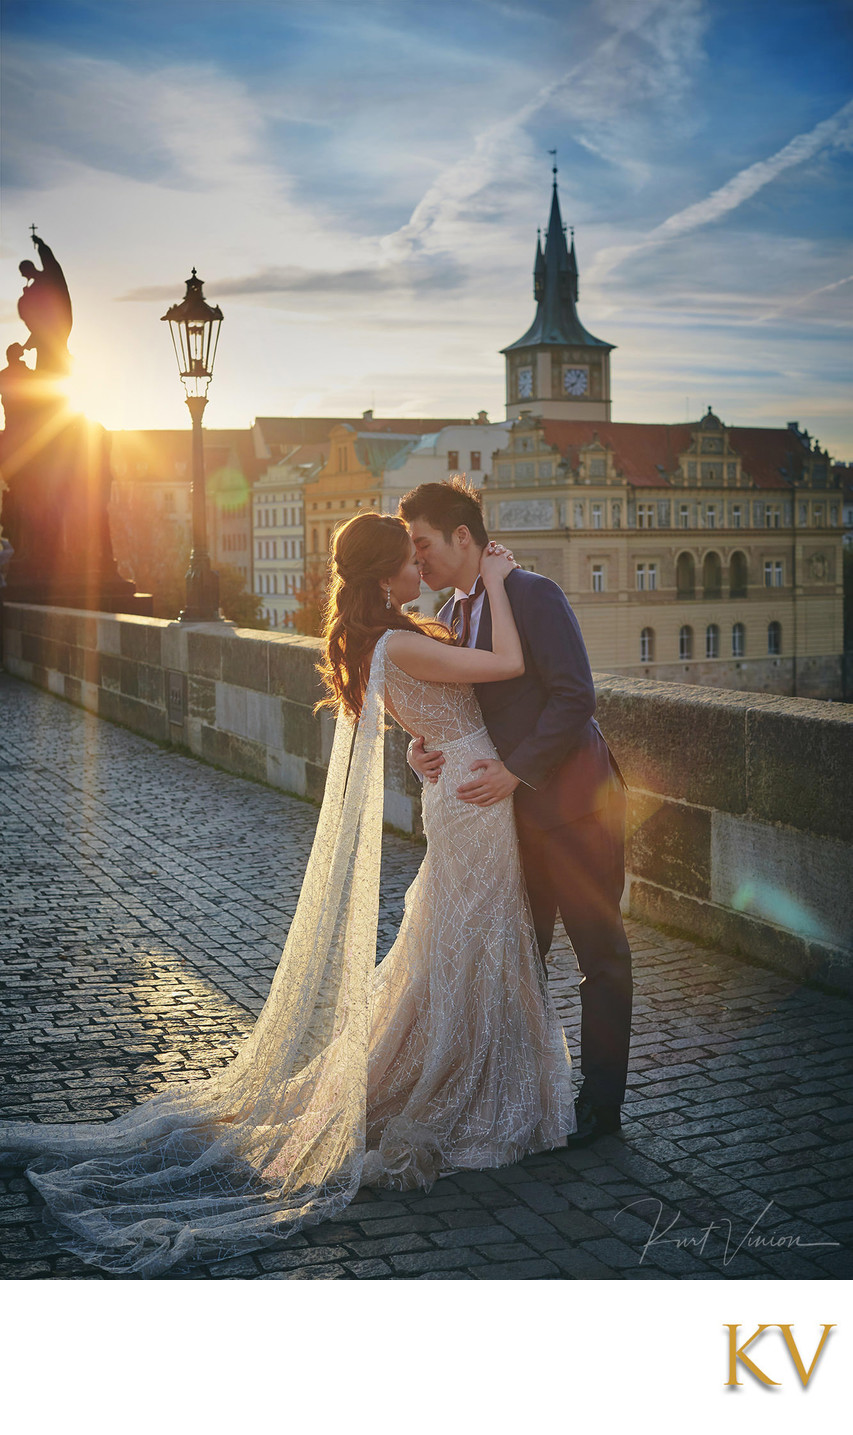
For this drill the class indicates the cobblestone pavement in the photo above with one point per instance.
(145, 898)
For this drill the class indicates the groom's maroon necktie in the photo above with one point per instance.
(460, 620)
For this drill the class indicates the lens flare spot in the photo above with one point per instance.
(760, 899)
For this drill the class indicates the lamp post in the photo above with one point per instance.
(194, 325)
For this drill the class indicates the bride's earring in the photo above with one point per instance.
(388, 599)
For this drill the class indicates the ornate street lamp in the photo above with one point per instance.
(194, 326)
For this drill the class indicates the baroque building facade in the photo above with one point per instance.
(693, 552)
(278, 531)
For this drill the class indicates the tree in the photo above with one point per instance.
(150, 548)
(311, 596)
(240, 606)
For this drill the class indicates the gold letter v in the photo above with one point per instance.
(804, 1374)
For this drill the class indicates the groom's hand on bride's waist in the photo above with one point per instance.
(492, 783)
(427, 765)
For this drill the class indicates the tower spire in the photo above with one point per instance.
(557, 365)
(555, 287)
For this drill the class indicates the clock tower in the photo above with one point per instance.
(557, 369)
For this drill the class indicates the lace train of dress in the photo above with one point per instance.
(448, 1054)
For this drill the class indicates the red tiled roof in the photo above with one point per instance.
(646, 454)
(308, 453)
(159, 451)
(316, 430)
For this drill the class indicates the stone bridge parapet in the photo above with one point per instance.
(741, 806)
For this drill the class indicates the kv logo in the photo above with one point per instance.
(737, 1353)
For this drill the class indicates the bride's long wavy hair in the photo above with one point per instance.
(366, 550)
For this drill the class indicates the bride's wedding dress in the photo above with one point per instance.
(447, 1055)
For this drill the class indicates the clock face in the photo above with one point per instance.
(575, 381)
(525, 383)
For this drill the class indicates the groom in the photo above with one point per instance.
(568, 791)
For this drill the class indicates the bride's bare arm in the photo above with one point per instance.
(423, 657)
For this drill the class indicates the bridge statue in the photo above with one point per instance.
(45, 307)
(55, 477)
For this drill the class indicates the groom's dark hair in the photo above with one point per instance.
(446, 506)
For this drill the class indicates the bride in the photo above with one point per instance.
(447, 1055)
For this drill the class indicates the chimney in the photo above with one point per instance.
(482, 417)
(368, 414)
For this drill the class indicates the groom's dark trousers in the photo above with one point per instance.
(570, 815)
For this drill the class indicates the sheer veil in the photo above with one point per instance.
(212, 1168)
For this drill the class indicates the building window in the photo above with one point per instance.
(475, 461)
(652, 576)
(738, 640)
(773, 574)
(691, 470)
(736, 516)
(712, 576)
(598, 468)
(738, 576)
(546, 470)
(504, 472)
(712, 641)
(597, 517)
(685, 576)
(647, 645)
(641, 577)
(731, 472)
(645, 515)
(684, 516)
(710, 517)
(818, 515)
(804, 515)
(833, 517)
(774, 639)
(597, 578)
(771, 517)
(685, 644)
(525, 471)
(452, 460)
(768, 575)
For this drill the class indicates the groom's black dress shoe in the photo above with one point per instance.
(593, 1121)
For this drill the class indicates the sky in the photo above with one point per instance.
(359, 184)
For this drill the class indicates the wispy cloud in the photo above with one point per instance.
(648, 58)
(837, 130)
(796, 303)
(317, 282)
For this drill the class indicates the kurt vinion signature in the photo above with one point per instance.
(724, 1226)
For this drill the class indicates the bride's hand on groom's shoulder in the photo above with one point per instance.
(496, 561)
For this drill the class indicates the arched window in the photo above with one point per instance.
(685, 643)
(738, 575)
(712, 641)
(712, 576)
(685, 576)
(647, 645)
(738, 640)
(774, 639)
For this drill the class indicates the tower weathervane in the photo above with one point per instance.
(554, 165)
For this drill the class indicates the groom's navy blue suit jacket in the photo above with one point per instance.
(542, 723)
